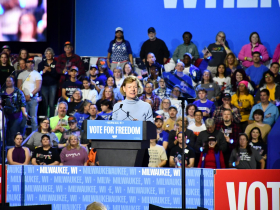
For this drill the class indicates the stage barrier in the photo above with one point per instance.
(119, 188)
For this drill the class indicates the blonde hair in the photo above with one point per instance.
(129, 80)
(96, 206)
(120, 69)
(68, 146)
(165, 98)
(181, 119)
(234, 57)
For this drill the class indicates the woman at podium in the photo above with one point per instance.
(132, 108)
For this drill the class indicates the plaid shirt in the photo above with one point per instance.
(218, 114)
(75, 61)
(233, 134)
(161, 93)
(155, 98)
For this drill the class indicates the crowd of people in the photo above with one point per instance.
(232, 102)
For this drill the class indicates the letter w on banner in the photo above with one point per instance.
(247, 189)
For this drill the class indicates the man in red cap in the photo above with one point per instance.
(66, 60)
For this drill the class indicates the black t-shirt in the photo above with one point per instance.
(71, 86)
(218, 54)
(66, 134)
(46, 156)
(260, 147)
(5, 71)
(176, 152)
(73, 107)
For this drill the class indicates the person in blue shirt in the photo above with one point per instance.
(271, 112)
(255, 72)
(106, 107)
(162, 136)
(206, 106)
(82, 113)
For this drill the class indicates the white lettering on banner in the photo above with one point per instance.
(111, 130)
(191, 4)
(95, 129)
(251, 195)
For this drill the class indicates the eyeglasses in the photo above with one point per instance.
(46, 123)
(165, 102)
(76, 93)
(176, 90)
(268, 76)
(206, 75)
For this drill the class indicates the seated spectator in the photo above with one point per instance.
(177, 77)
(23, 54)
(73, 130)
(211, 156)
(95, 81)
(15, 109)
(110, 82)
(232, 64)
(45, 154)
(157, 155)
(89, 93)
(76, 102)
(244, 156)
(107, 108)
(238, 76)
(150, 101)
(151, 62)
(118, 75)
(222, 79)
(18, 155)
(82, 113)
(119, 51)
(49, 81)
(218, 113)
(206, 106)
(268, 83)
(190, 69)
(217, 52)
(59, 123)
(69, 86)
(150, 95)
(162, 91)
(36, 137)
(198, 125)
(128, 70)
(187, 47)
(153, 76)
(66, 60)
(230, 130)
(168, 125)
(256, 141)
(255, 45)
(164, 107)
(175, 94)
(213, 90)
(244, 102)
(162, 136)
(276, 55)
(175, 159)
(92, 158)
(256, 71)
(73, 154)
(271, 112)
(190, 109)
(30, 82)
(5, 68)
(107, 94)
(172, 141)
(258, 117)
(274, 68)
(211, 131)
(103, 70)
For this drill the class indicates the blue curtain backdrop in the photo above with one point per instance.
(96, 22)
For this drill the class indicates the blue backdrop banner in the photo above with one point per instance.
(96, 22)
(118, 188)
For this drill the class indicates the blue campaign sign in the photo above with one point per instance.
(117, 130)
(72, 187)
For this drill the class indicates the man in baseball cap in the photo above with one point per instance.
(190, 69)
(218, 114)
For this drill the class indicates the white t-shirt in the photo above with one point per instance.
(196, 130)
(29, 81)
(162, 113)
(89, 94)
(157, 154)
(220, 81)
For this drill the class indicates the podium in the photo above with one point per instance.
(120, 143)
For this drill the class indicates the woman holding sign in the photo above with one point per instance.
(132, 108)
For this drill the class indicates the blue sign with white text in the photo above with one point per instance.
(128, 188)
(117, 130)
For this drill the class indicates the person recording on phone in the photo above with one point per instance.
(132, 108)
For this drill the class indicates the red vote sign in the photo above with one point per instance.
(1, 183)
(247, 189)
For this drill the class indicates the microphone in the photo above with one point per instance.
(121, 105)
(127, 114)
